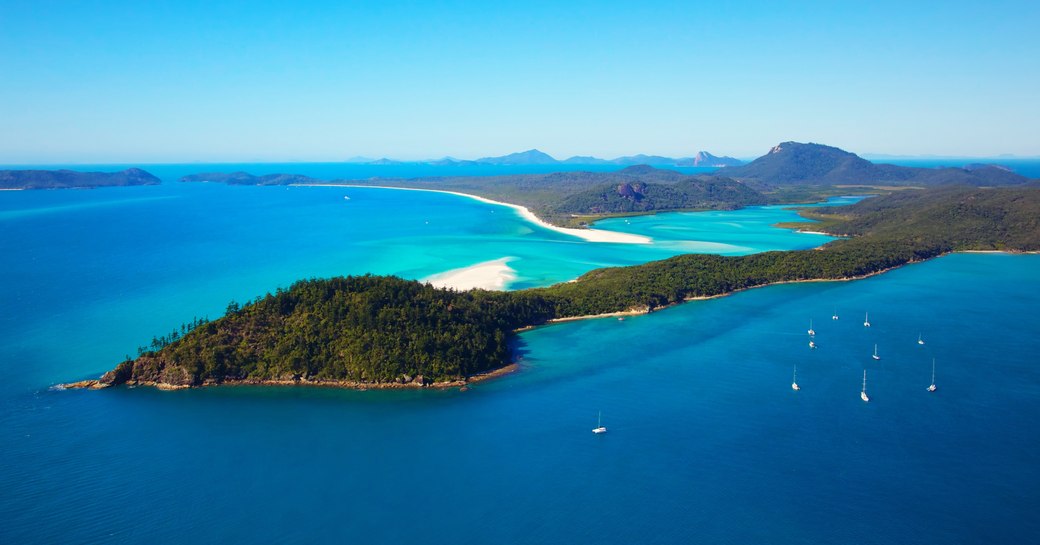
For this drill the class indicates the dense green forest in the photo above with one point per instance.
(374, 329)
(703, 193)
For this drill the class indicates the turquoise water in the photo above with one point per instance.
(707, 441)
(90, 275)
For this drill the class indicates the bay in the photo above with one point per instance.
(707, 442)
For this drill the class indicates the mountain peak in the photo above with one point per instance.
(705, 159)
(790, 163)
(529, 157)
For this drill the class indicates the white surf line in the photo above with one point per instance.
(591, 235)
(489, 275)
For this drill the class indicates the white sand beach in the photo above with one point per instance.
(489, 275)
(591, 235)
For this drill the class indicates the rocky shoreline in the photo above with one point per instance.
(418, 382)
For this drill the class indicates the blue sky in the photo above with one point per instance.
(170, 81)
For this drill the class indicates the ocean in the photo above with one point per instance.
(707, 441)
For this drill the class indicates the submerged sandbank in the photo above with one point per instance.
(591, 235)
(489, 275)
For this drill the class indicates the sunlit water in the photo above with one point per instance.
(707, 442)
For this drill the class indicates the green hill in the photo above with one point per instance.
(708, 193)
(794, 163)
(72, 179)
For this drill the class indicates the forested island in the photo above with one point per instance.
(71, 179)
(373, 331)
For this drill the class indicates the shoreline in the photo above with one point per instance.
(590, 235)
(1008, 252)
(462, 384)
(640, 312)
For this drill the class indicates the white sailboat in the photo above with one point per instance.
(866, 320)
(811, 332)
(794, 380)
(812, 344)
(599, 424)
(835, 315)
(875, 356)
(919, 339)
(932, 387)
(863, 394)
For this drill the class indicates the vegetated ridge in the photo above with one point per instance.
(794, 163)
(71, 179)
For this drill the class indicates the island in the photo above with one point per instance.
(71, 179)
(382, 331)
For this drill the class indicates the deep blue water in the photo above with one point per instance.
(707, 441)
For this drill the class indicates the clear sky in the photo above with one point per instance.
(180, 80)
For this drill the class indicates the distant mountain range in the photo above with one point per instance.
(536, 157)
(71, 179)
(795, 163)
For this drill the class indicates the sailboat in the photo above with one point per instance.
(835, 315)
(794, 379)
(599, 424)
(863, 394)
(812, 344)
(932, 387)
(919, 339)
(811, 332)
(866, 320)
(875, 356)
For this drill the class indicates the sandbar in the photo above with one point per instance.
(591, 235)
(488, 275)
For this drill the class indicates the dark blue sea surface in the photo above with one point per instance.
(707, 441)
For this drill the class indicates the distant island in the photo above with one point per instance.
(536, 157)
(244, 178)
(794, 163)
(71, 179)
(376, 331)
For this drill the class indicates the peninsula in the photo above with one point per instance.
(71, 179)
(373, 331)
